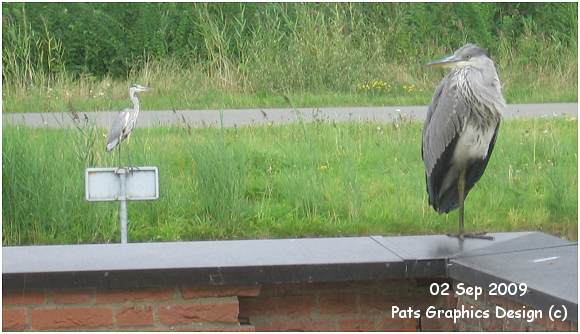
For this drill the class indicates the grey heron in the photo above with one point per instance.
(125, 120)
(461, 128)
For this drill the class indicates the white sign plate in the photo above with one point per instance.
(104, 184)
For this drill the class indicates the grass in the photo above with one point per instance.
(299, 180)
(226, 100)
(176, 87)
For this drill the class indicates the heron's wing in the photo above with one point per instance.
(445, 118)
(117, 129)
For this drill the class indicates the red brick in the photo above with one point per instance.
(357, 325)
(287, 305)
(464, 327)
(450, 301)
(205, 327)
(469, 324)
(13, 319)
(531, 327)
(388, 324)
(121, 296)
(71, 317)
(297, 325)
(229, 328)
(513, 325)
(72, 296)
(381, 303)
(30, 297)
(311, 288)
(330, 287)
(492, 324)
(543, 322)
(221, 309)
(338, 303)
(135, 316)
(562, 326)
(469, 303)
(293, 306)
(437, 324)
(213, 291)
(252, 306)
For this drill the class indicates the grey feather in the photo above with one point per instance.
(445, 118)
(118, 129)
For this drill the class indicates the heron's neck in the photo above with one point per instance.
(135, 101)
(481, 91)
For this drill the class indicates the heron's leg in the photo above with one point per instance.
(128, 151)
(131, 166)
(461, 193)
(119, 153)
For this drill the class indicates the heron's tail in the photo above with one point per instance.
(447, 201)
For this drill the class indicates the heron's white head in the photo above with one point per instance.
(136, 88)
(467, 55)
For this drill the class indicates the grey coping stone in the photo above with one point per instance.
(511, 257)
(429, 247)
(189, 255)
(550, 273)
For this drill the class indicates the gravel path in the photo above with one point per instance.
(242, 117)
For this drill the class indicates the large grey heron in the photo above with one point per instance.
(125, 121)
(460, 130)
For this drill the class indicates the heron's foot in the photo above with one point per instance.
(131, 169)
(480, 235)
(128, 169)
(121, 170)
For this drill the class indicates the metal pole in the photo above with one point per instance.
(123, 210)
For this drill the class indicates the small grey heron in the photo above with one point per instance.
(125, 121)
(461, 128)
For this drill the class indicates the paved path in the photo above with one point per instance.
(241, 117)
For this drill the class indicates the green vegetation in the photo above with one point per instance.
(62, 56)
(318, 179)
(296, 180)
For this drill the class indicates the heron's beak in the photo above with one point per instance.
(449, 61)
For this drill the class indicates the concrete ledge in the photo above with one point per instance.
(551, 274)
(511, 257)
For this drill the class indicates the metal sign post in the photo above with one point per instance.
(123, 199)
(122, 184)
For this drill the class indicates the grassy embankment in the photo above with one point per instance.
(284, 181)
(317, 55)
(176, 87)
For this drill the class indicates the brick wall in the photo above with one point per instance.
(344, 306)
(177, 308)
(353, 306)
